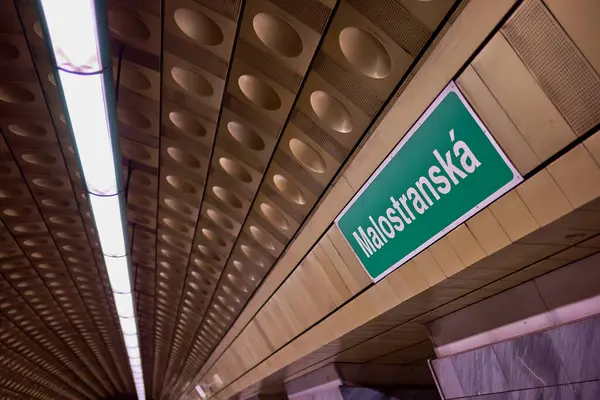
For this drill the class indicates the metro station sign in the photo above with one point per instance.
(443, 171)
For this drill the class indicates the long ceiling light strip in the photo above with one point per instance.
(77, 33)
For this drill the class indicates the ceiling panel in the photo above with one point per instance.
(233, 117)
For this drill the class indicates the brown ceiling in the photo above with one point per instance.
(234, 117)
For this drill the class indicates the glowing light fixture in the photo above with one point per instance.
(78, 36)
(200, 391)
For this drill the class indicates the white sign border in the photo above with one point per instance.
(517, 178)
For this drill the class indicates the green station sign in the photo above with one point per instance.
(443, 171)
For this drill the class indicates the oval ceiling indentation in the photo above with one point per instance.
(245, 136)
(178, 206)
(274, 216)
(16, 212)
(187, 124)
(133, 118)
(209, 253)
(259, 92)
(15, 94)
(365, 52)
(37, 28)
(253, 255)
(289, 189)
(181, 184)
(172, 240)
(183, 157)
(192, 82)
(134, 79)
(219, 219)
(62, 220)
(277, 34)
(198, 27)
(176, 225)
(10, 192)
(307, 156)
(234, 169)
(8, 51)
(39, 157)
(48, 183)
(211, 235)
(226, 197)
(56, 202)
(135, 151)
(28, 129)
(332, 112)
(128, 25)
(261, 237)
(142, 179)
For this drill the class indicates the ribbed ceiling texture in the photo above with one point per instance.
(233, 119)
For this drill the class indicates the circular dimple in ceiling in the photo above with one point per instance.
(183, 157)
(235, 170)
(16, 212)
(178, 206)
(15, 94)
(133, 118)
(209, 253)
(10, 192)
(134, 79)
(37, 28)
(274, 216)
(365, 52)
(211, 235)
(307, 156)
(181, 184)
(259, 93)
(289, 189)
(331, 111)
(245, 136)
(140, 200)
(27, 129)
(39, 157)
(48, 183)
(253, 255)
(227, 197)
(142, 179)
(192, 82)
(261, 237)
(134, 151)
(127, 25)
(187, 124)
(198, 26)
(56, 203)
(277, 35)
(176, 225)
(219, 219)
(173, 241)
(8, 51)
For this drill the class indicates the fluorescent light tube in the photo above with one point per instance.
(118, 274)
(200, 391)
(131, 341)
(124, 303)
(135, 362)
(128, 326)
(84, 75)
(85, 100)
(109, 224)
(73, 33)
(133, 352)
